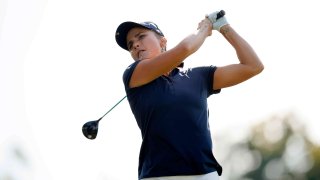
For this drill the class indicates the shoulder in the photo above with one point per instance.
(129, 69)
(128, 73)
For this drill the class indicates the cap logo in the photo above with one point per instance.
(152, 26)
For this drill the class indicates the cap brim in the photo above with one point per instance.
(122, 31)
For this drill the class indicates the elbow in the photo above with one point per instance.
(258, 68)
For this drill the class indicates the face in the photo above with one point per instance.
(144, 44)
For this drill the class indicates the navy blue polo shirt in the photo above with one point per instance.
(172, 114)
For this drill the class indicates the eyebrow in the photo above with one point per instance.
(130, 42)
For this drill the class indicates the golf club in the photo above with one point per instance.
(90, 128)
(221, 14)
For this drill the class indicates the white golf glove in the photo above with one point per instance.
(217, 23)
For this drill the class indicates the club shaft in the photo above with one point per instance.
(220, 14)
(112, 107)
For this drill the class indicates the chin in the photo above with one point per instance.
(143, 59)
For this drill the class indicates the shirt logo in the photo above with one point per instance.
(185, 73)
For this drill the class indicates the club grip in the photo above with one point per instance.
(221, 14)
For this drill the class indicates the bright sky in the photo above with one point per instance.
(61, 67)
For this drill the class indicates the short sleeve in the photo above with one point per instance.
(128, 73)
(210, 81)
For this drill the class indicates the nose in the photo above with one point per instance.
(136, 45)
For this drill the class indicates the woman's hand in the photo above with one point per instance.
(205, 25)
(217, 22)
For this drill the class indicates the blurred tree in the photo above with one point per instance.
(275, 149)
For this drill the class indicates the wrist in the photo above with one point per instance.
(205, 27)
(225, 29)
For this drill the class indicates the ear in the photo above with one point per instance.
(163, 42)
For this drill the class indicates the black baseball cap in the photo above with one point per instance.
(125, 27)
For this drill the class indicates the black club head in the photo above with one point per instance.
(90, 129)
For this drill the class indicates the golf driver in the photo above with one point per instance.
(90, 128)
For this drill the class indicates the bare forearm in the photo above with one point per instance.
(149, 70)
(194, 41)
(186, 47)
(245, 52)
(179, 53)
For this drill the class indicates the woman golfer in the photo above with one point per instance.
(170, 104)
